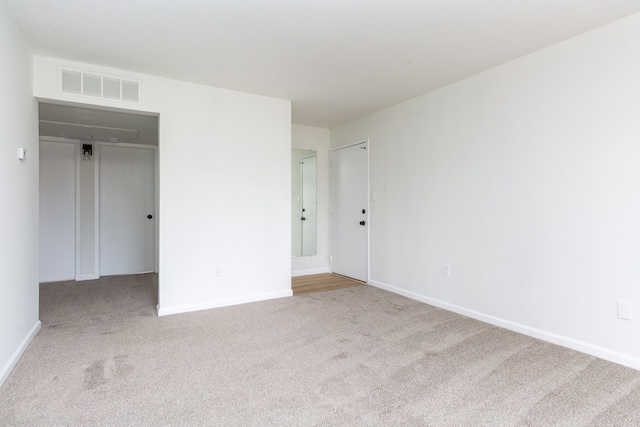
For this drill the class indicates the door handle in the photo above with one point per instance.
(303, 219)
(149, 216)
(362, 223)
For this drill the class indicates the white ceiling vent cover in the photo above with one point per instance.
(96, 85)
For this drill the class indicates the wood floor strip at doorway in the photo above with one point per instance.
(321, 282)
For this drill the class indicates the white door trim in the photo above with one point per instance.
(351, 144)
(368, 226)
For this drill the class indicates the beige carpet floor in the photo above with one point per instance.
(355, 356)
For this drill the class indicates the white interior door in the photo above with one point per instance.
(349, 211)
(57, 211)
(309, 206)
(127, 210)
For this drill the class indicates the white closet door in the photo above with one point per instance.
(57, 211)
(349, 216)
(127, 210)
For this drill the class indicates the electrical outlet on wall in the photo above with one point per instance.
(217, 270)
(446, 270)
(624, 310)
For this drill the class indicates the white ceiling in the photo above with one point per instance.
(335, 59)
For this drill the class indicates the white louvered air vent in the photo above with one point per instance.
(71, 81)
(111, 88)
(96, 85)
(129, 91)
(91, 84)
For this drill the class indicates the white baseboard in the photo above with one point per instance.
(13, 361)
(309, 271)
(564, 341)
(223, 303)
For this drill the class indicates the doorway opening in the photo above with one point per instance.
(98, 193)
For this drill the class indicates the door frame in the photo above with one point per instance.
(96, 158)
(368, 225)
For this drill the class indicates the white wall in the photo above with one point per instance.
(526, 180)
(224, 177)
(19, 195)
(317, 139)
